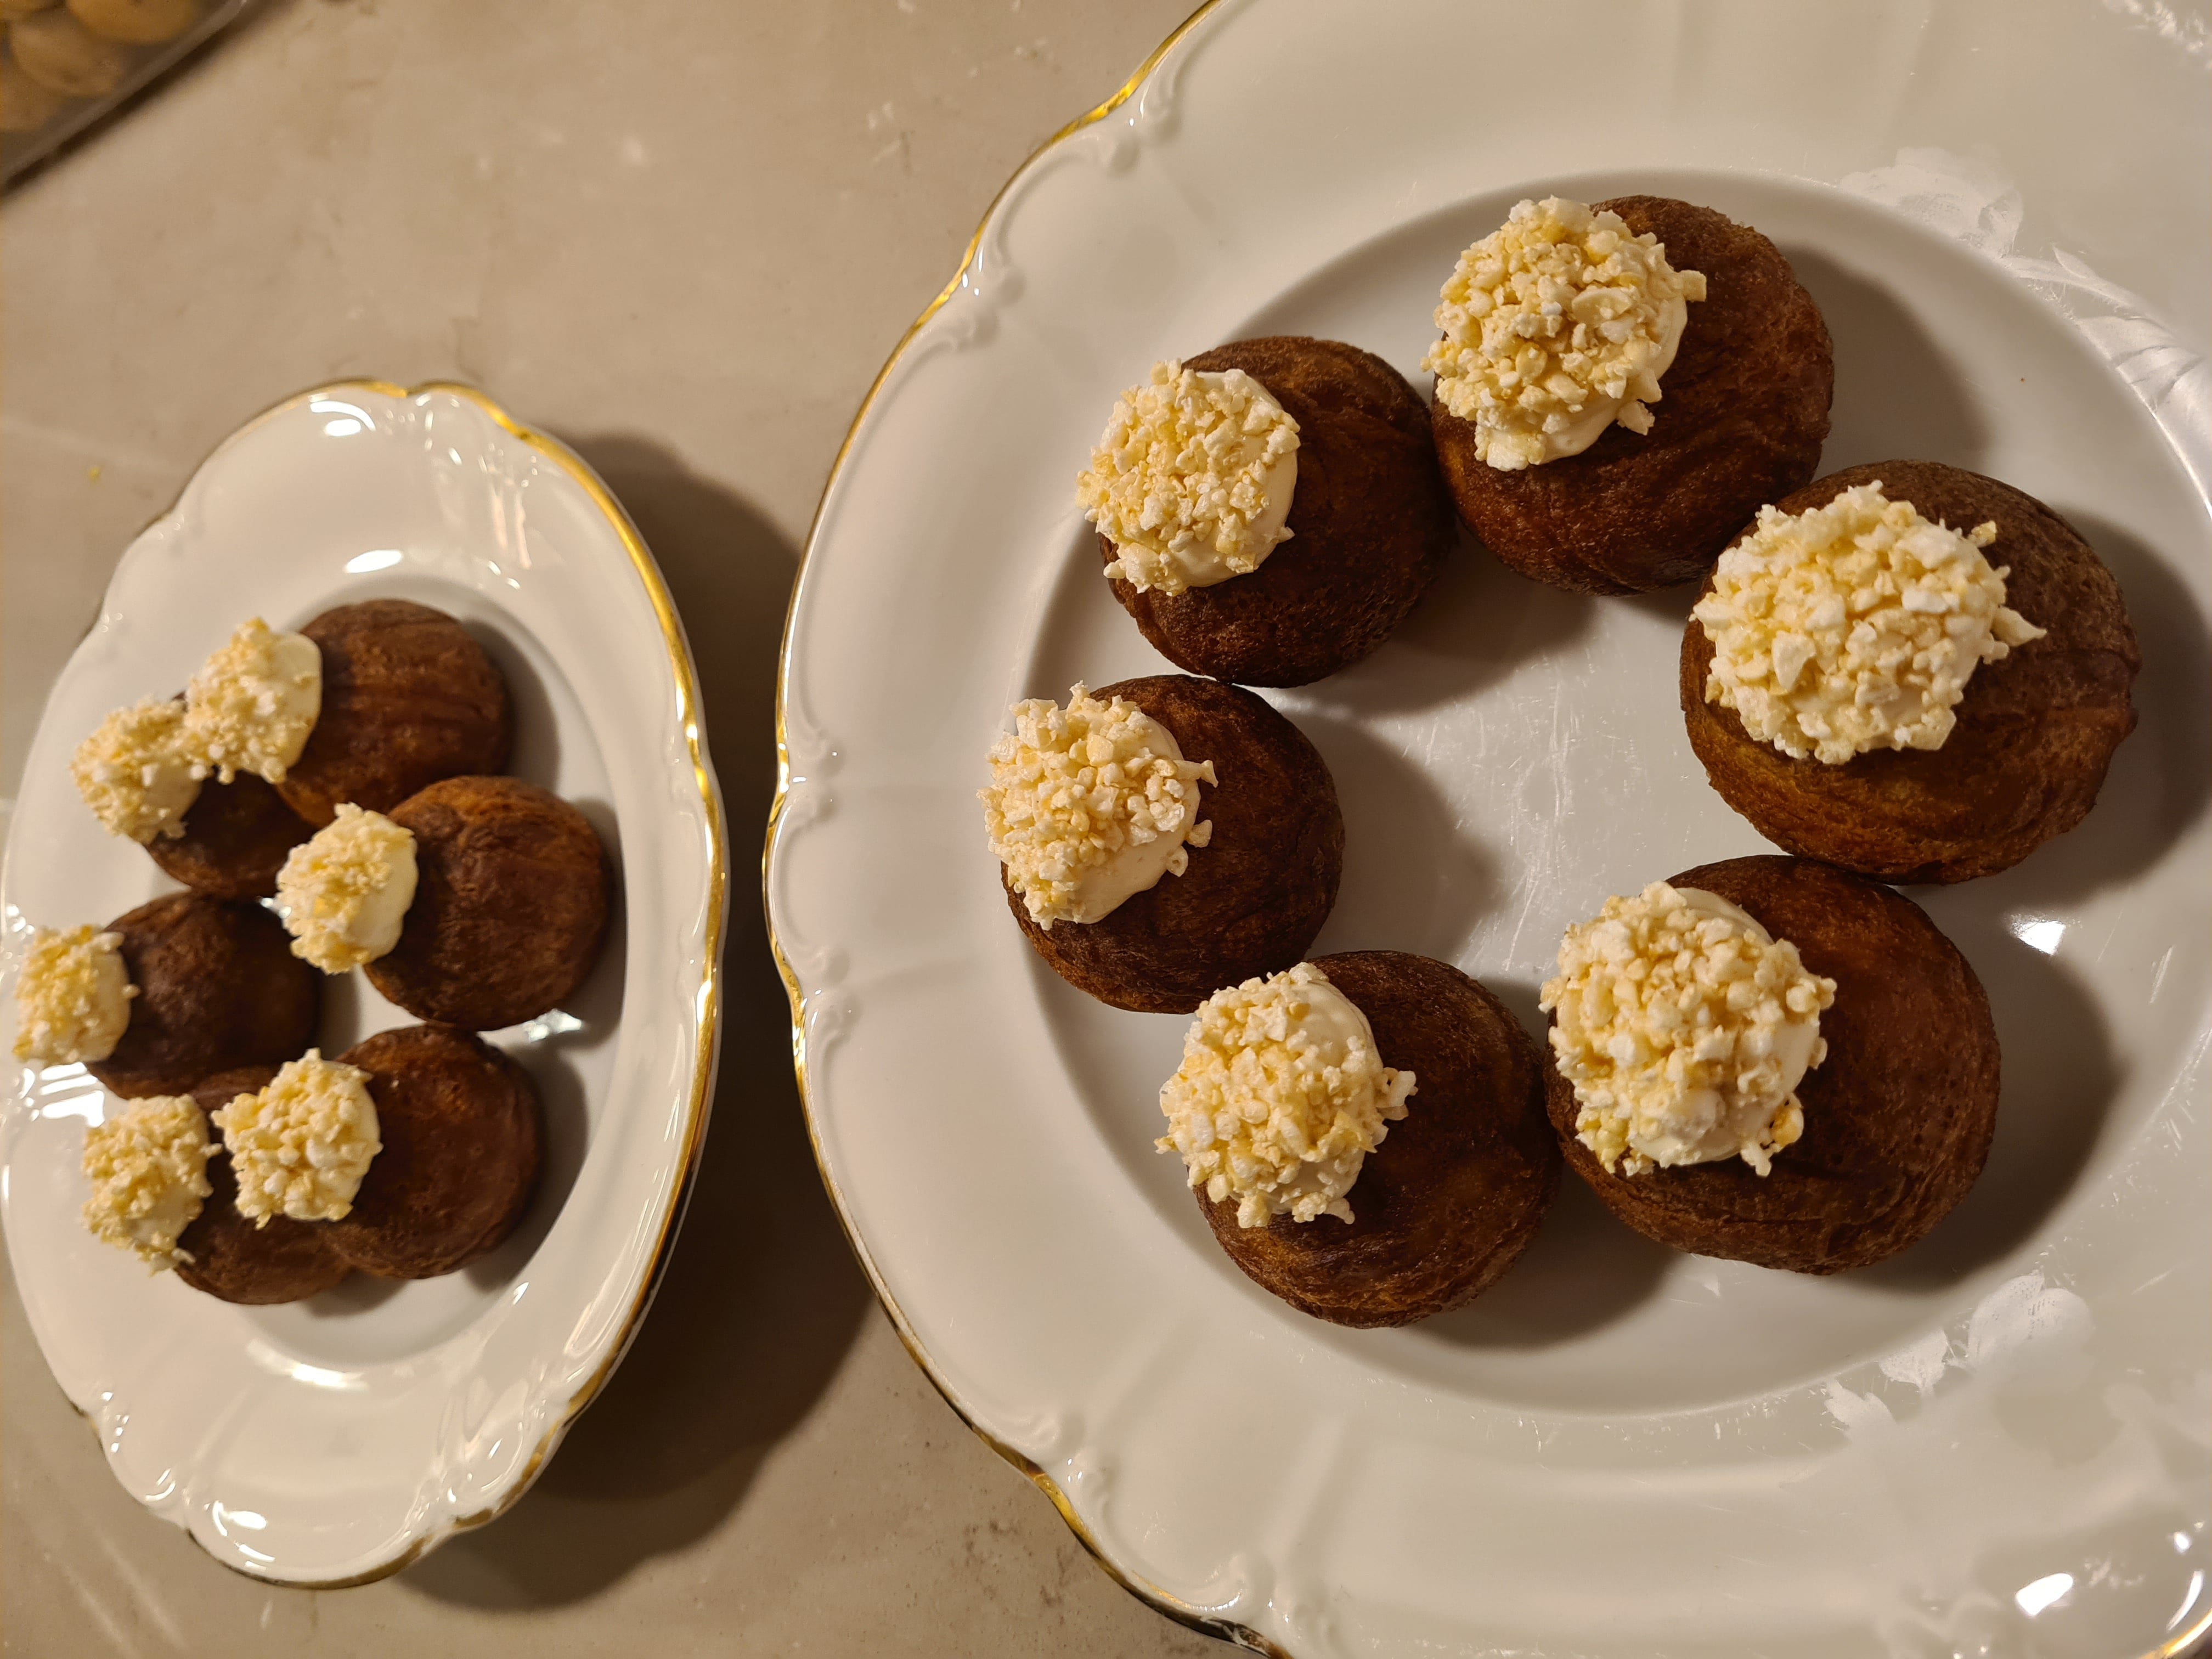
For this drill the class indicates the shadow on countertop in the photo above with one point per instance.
(761, 1299)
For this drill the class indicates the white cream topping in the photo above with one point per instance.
(301, 1146)
(148, 1172)
(1193, 479)
(72, 998)
(1556, 325)
(1280, 1097)
(252, 703)
(135, 772)
(1091, 804)
(1685, 1027)
(1854, 626)
(343, 892)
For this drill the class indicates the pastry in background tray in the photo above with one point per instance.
(1912, 670)
(479, 903)
(461, 1144)
(59, 53)
(1620, 386)
(1772, 1061)
(233, 1257)
(1269, 511)
(1163, 837)
(25, 106)
(136, 22)
(1388, 1155)
(169, 993)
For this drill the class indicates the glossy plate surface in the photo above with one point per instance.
(336, 1438)
(1997, 1443)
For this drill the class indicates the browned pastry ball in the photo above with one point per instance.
(407, 698)
(1743, 413)
(2035, 729)
(511, 894)
(1897, 1117)
(459, 1124)
(236, 837)
(1370, 520)
(232, 1259)
(1252, 897)
(218, 988)
(1453, 1196)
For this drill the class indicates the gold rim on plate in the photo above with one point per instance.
(1153, 1596)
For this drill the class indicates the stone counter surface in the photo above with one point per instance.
(683, 235)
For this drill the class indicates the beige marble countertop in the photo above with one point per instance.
(684, 236)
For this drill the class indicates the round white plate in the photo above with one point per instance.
(336, 1439)
(1997, 1443)
(1991, 1445)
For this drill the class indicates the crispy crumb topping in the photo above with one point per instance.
(1854, 626)
(1685, 1027)
(1557, 325)
(1089, 804)
(1280, 1096)
(1193, 478)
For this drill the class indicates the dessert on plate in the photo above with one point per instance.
(239, 1218)
(1163, 837)
(367, 704)
(1909, 670)
(149, 772)
(166, 995)
(1772, 1061)
(461, 1144)
(256, 1261)
(1620, 386)
(1268, 511)
(409, 1156)
(1365, 1134)
(479, 903)
(407, 698)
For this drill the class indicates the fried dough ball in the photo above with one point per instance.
(218, 988)
(1252, 899)
(232, 1259)
(460, 1127)
(1742, 414)
(407, 698)
(2036, 729)
(1897, 1117)
(1371, 527)
(1455, 1192)
(512, 892)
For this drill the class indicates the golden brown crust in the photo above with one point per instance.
(233, 1260)
(1370, 520)
(1453, 1196)
(1252, 897)
(1743, 415)
(511, 895)
(2036, 729)
(236, 838)
(1898, 1118)
(218, 988)
(407, 698)
(459, 1124)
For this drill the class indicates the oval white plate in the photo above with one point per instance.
(334, 1440)
(1995, 1444)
